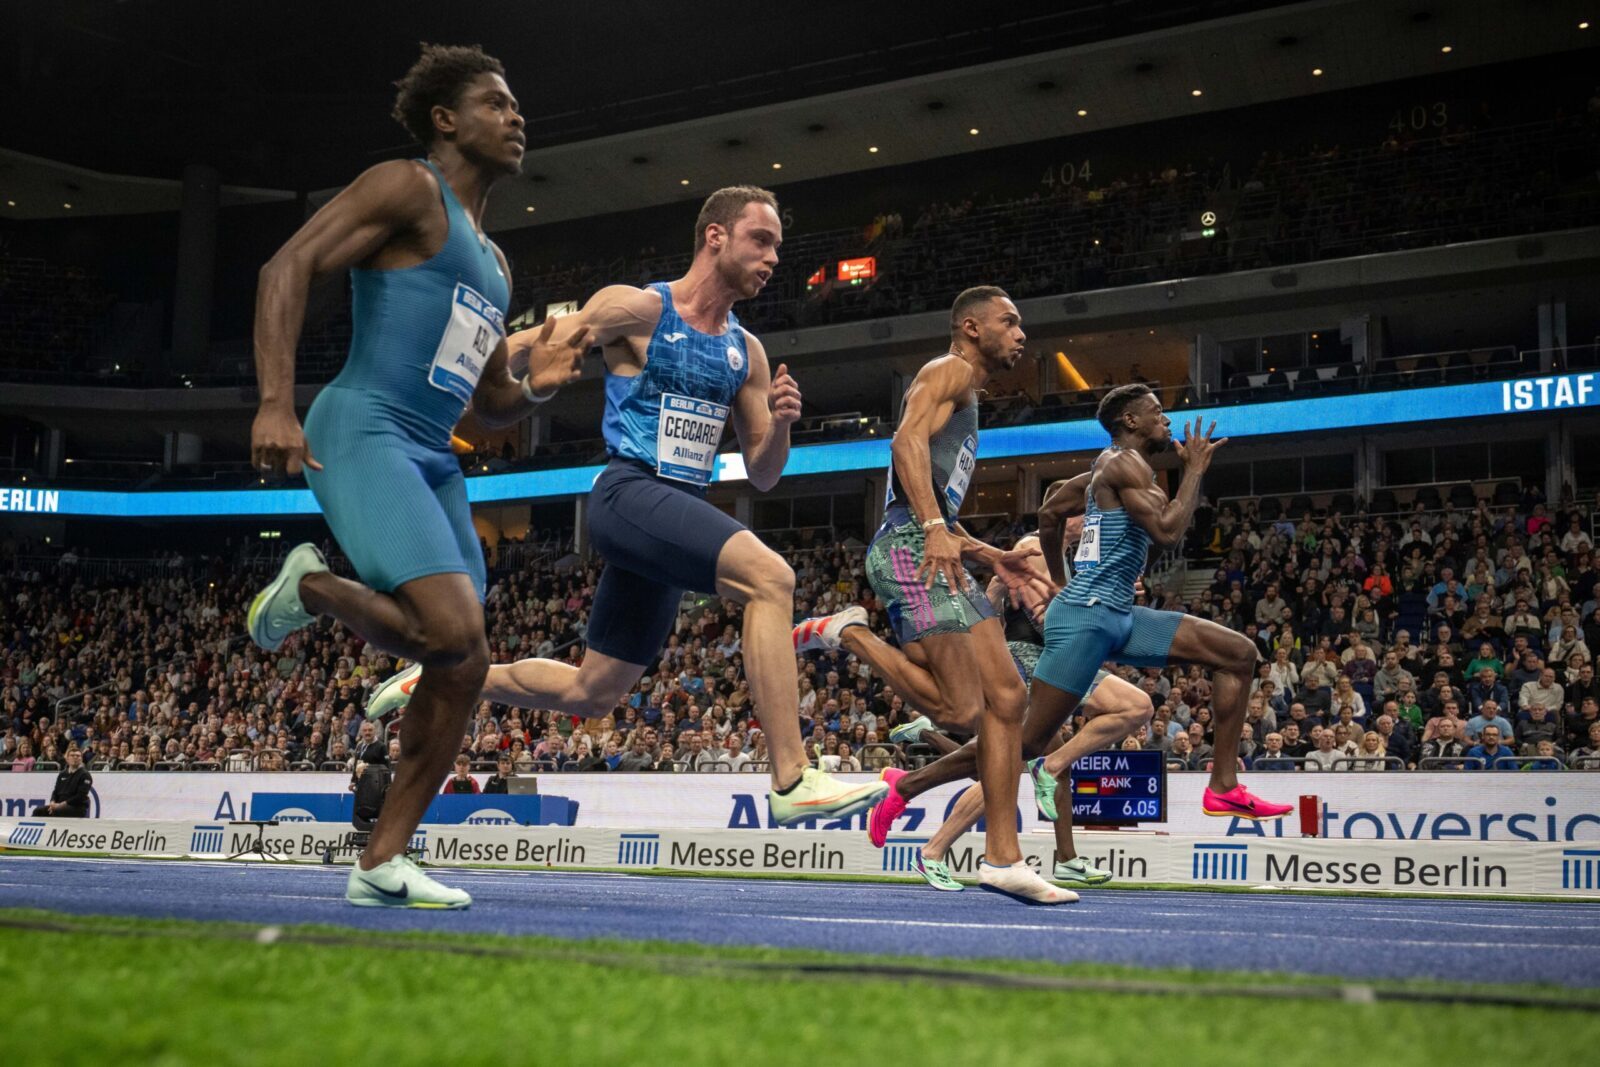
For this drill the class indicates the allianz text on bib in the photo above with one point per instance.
(687, 437)
(476, 328)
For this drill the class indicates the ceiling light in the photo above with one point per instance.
(1583, 25)
(1194, 92)
(1082, 114)
(777, 166)
(873, 149)
(1447, 49)
(529, 208)
(67, 206)
(973, 131)
(1316, 72)
(683, 181)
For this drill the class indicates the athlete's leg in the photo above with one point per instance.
(384, 619)
(1114, 710)
(999, 740)
(963, 817)
(754, 575)
(1232, 659)
(913, 681)
(447, 611)
(591, 689)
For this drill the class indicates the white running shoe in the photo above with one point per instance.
(400, 883)
(1022, 884)
(276, 612)
(394, 693)
(822, 634)
(909, 733)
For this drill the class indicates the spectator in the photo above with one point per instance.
(1370, 755)
(1546, 692)
(1488, 749)
(1587, 755)
(1321, 758)
(70, 797)
(1443, 743)
(461, 781)
(500, 780)
(1488, 715)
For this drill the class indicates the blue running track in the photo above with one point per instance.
(1360, 938)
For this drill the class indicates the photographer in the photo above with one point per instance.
(70, 798)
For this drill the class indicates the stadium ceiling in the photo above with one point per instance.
(628, 102)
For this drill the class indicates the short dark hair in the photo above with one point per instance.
(969, 298)
(724, 207)
(1114, 403)
(436, 80)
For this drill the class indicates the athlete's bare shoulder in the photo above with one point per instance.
(402, 188)
(948, 377)
(622, 311)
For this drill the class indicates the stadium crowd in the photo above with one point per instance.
(1436, 637)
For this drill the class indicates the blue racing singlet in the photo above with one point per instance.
(670, 416)
(1110, 557)
(422, 334)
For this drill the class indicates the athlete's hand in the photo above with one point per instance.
(278, 444)
(784, 400)
(550, 364)
(1196, 449)
(941, 557)
(1027, 588)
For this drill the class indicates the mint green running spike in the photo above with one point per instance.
(1080, 871)
(1044, 788)
(936, 874)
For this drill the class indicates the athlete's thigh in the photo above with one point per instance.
(1204, 642)
(452, 497)
(602, 673)
(952, 659)
(383, 512)
(644, 525)
(1113, 695)
(447, 606)
(631, 616)
(997, 670)
(1150, 637)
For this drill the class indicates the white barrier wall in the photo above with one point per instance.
(1466, 867)
(1410, 806)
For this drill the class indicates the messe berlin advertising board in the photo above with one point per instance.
(1464, 867)
(1411, 806)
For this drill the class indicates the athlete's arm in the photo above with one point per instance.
(501, 397)
(766, 406)
(929, 403)
(1062, 501)
(614, 313)
(384, 201)
(1164, 520)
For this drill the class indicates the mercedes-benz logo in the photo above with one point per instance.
(1208, 218)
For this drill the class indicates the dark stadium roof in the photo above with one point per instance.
(629, 108)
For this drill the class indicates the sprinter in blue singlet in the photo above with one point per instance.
(430, 295)
(679, 368)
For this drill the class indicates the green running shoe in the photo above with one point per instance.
(400, 883)
(936, 874)
(276, 612)
(819, 795)
(1044, 788)
(1080, 871)
(909, 733)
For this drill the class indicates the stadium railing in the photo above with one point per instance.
(1279, 763)
(1450, 763)
(1528, 763)
(1369, 763)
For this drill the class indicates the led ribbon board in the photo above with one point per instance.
(1407, 407)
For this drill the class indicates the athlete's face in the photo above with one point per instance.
(1151, 423)
(996, 326)
(486, 124)
(747, 254)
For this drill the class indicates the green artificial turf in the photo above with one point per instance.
(125, 991)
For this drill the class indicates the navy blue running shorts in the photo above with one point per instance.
(658, 538)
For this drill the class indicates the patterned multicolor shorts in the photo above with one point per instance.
(915, 611)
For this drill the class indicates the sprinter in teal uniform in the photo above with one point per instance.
(679, 368)
(430, 294)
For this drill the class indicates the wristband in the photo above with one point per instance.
(533, 397)
(931, 523)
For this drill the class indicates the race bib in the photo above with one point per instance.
(687, 436)
(955, 490)
(1088, 553)
(476, 327)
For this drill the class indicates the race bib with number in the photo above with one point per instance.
(1088, 553)
(955, 490)
(687, 437)
(476, 327)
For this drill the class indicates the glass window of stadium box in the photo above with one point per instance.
(1469, 461)
(1254, 368)
(1280, 477)
(845, 514)
(1586, 460)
